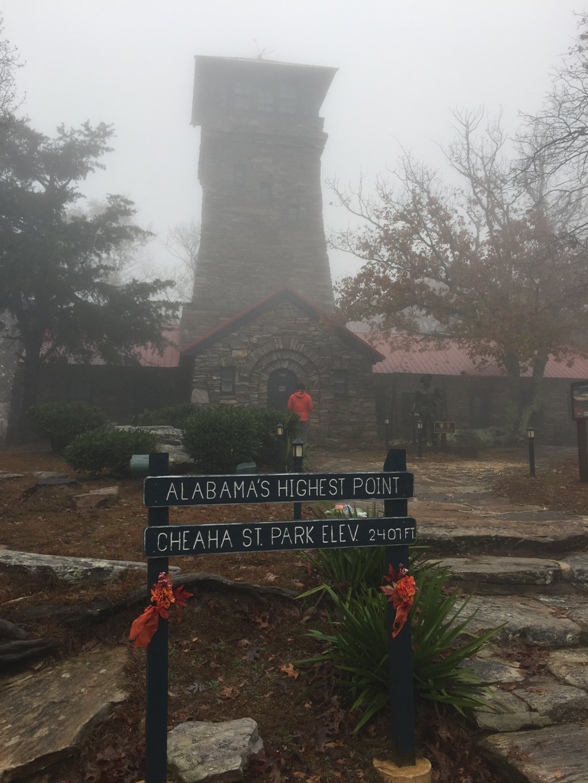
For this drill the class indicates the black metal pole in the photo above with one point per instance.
(157, 653)
(582, 450)
(400, 648)
(297, 467)
(532, 456)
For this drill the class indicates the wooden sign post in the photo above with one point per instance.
(395, 530)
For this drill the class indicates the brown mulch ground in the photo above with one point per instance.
(231, 654)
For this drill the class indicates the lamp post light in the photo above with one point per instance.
(387, 432)
(298, 455)
(280, 446)
(531, 441)
(419, 437)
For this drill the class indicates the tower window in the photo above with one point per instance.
(239, 175)
(242, 96)
(287, 99)
(265, 101)
(265, 193)
(227, 380)
(340, 385)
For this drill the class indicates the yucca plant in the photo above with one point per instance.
(357, 644)
(347, 568)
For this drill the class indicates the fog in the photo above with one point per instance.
(403, 66)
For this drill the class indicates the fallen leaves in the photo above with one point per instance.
(289, 670)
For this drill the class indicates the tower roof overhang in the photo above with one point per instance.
(210, 71)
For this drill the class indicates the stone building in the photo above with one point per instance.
(256, 326)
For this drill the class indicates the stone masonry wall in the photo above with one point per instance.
(289, 338)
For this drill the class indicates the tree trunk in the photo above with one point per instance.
(536, 399)
(513, 404)
(30, 386)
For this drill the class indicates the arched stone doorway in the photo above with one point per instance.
(281, 383)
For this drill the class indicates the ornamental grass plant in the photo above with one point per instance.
(356, 645)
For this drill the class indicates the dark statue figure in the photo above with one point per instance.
(427, 403)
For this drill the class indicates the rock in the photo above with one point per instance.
(56, 481)
(45, 715)
(484, 574)
(69, 569)
(543, 755)
(5, 475)
(217, 752)
(524, 620)
(97, 498)
(169, 441)
(570, 666)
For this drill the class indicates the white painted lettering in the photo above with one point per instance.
(226, 540)
(238, 488)
(162, 542)
(301, 490)
(252, 490)
(282, 488)
(225, 490)
(198, 491)
(199, 540)
(246, 534)
(265, 488)
(172, 490)
(210, 490)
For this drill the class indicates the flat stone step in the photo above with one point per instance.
(490, 575)
(529, 620)
(555, 753)
(44, 716)
(461, 534)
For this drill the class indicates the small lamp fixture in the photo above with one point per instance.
(386, 421)
(420, 424)
(280, 430)
(530, 433)
(297, 448)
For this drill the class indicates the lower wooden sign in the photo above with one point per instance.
(216, 539)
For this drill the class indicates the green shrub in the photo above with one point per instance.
(219, 437)
(171, 416)
(357, 644)
(61, 422)
(108, 450)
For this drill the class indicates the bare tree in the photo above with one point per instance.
(485, 259)
(183, 241)
(554, 144)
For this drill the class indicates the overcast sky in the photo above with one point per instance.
(403, 66)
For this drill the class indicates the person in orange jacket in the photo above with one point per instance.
(301, 403)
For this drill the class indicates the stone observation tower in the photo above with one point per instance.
(260, 161)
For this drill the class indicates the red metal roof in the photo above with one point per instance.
(148, 355)
(452, 359)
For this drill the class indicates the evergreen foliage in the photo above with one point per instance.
(108, 450)
(61, 422)
(220, 437)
